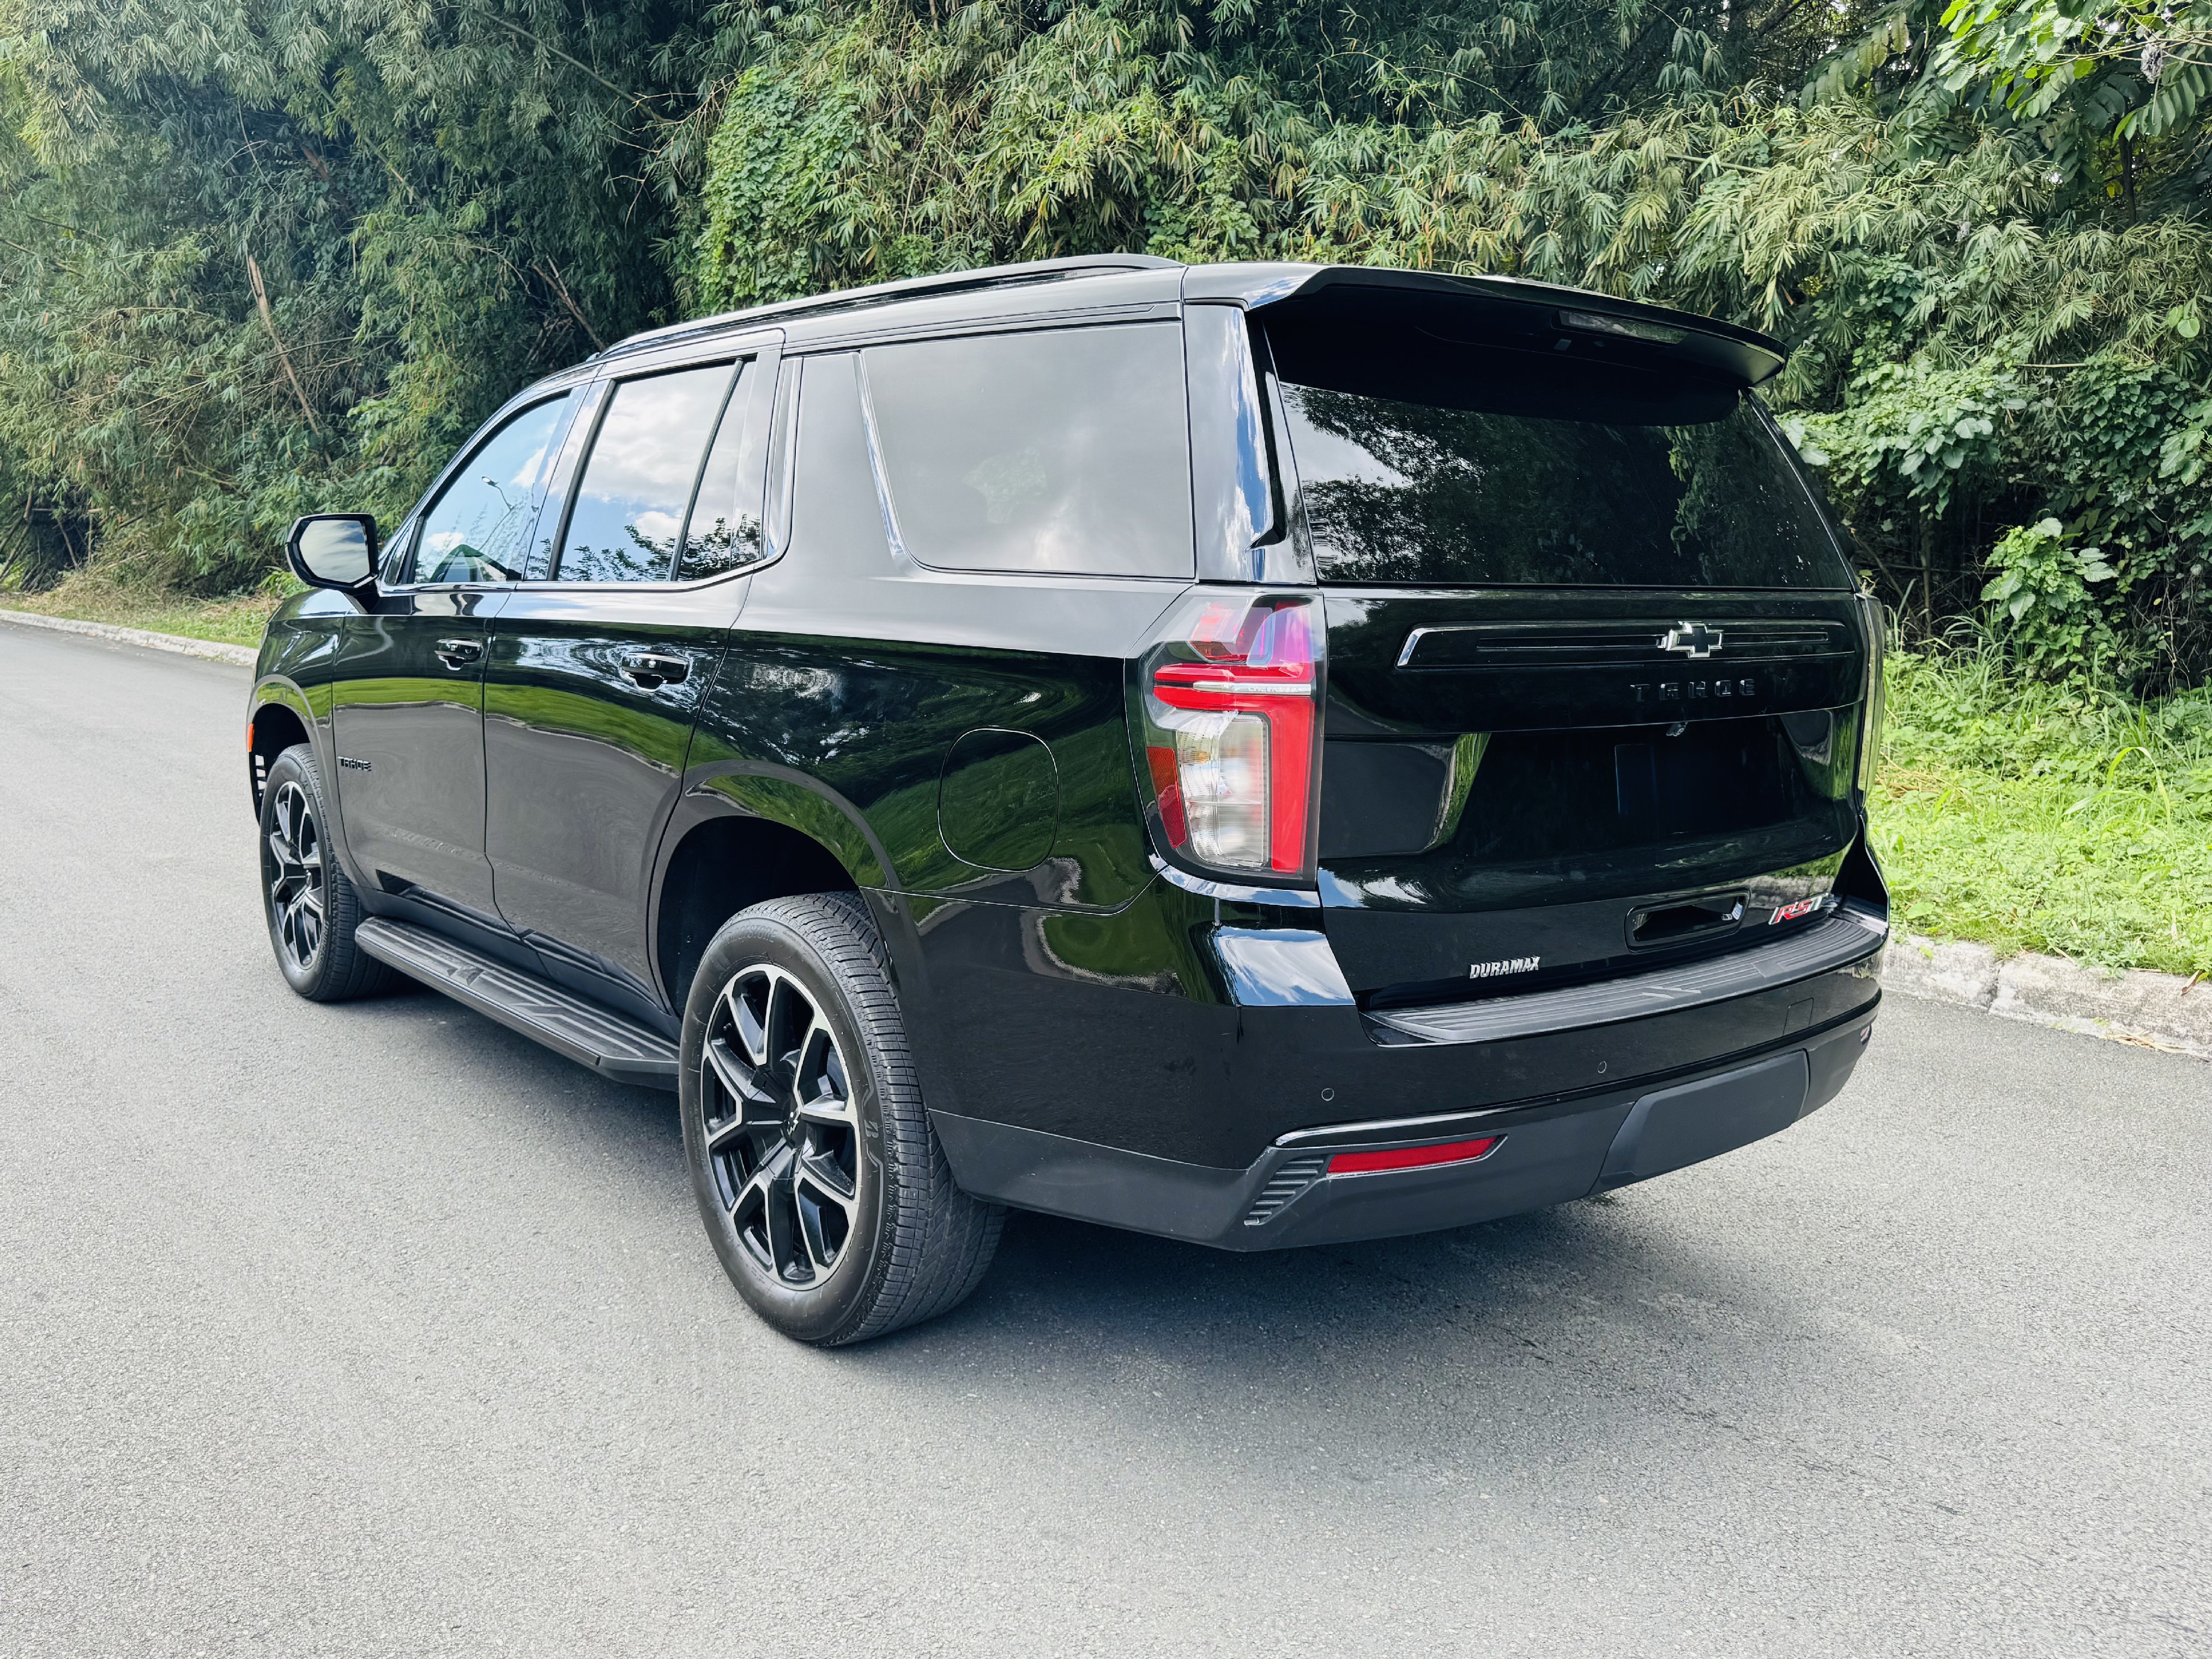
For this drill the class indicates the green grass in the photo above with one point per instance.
(89, 597)
(2064, 819)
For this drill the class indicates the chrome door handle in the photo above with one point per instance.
(459, 653)
(651, 670)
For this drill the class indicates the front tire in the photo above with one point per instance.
(310, 907)
(819, 1176)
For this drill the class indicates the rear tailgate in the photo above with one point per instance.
(1595, 660)
(1524, 788)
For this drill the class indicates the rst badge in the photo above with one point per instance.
(1804, 907)
(1509, 965)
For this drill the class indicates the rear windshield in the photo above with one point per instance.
(1482, 467)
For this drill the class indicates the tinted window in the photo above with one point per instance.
(1430, 462)
(628, 510)
(1066, 451)
(724, 531)
(476, 529)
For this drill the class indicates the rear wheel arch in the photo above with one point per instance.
(725, 861)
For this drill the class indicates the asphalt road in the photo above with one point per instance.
(375, 1329)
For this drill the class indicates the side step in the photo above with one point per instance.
(617, 1048)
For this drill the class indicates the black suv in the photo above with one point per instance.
(1260, 754)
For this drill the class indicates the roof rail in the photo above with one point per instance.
(951, 281)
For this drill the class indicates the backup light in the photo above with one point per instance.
(1230, 716)
(1414, 1158)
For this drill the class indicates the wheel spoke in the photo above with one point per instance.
(818, 1081)
(782, 1016)
(747, 1024)
(824, 1175)
(739, 1081)
(744, 1209)
(763, 1138)
(820, 1256)
(779, 1222)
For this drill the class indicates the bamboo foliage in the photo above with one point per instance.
(1993, 290)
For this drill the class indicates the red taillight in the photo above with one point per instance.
(1413, 1157)
(1230, 748)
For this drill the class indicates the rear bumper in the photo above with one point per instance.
(1545, 1153)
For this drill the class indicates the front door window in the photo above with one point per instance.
(475, 530)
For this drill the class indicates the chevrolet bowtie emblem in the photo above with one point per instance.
(1691, 639)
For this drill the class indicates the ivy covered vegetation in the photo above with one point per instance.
(269, 255)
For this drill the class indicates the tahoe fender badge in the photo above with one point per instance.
(351, 764)
(1510, 965)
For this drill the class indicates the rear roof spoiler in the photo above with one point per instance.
(1743, 355)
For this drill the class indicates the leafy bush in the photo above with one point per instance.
(2044, 611)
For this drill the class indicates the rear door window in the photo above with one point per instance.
(723, 533)
(1480, 467)
(475, 530)
(1065, 451)
(637, 482)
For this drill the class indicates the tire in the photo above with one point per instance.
(819, 1176)
(310, 907)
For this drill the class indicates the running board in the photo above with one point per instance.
(618, 1049)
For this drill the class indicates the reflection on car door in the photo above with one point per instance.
(408, 701)
(598, 664)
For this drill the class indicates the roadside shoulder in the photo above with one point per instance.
(238, 655)
(2158, 1010)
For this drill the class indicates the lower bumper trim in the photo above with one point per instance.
(1544, 1155)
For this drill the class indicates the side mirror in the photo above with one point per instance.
(333, 549)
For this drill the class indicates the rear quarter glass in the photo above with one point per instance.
(1430, 463)
(1062, 451)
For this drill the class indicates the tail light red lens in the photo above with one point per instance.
(1230, 713)
(1413, 1157)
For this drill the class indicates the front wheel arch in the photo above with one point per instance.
(273, 726)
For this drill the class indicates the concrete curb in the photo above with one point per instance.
(2155, 1011)
(240, 656)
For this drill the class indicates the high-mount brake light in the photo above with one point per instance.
(1413, 1157)
(1230, 717)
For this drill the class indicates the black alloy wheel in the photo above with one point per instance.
(310, 907)
(819, 1178)
(782, 1134)
(292, 867)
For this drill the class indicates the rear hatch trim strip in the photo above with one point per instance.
(1848, 936)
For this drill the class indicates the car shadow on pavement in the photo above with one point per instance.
(1604, 1284)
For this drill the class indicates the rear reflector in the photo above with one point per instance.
(1413, 1157)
